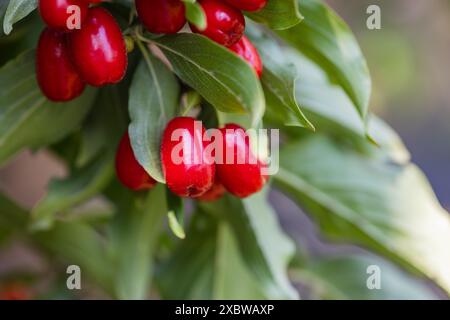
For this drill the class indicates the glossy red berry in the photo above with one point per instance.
(98, 50)
(243, 175)
(56, 75)
(188, 170)
(247, 5)
(225, 24)
(162, 16)
(56, 13)
(246, 50)
(128, 169)
(215, 193)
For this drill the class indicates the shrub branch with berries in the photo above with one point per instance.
(105, 86)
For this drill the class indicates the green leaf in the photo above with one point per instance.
(12, 217)
(16, 11)
(346, 276)
(222, 78)
(176, 214)
(278, 79)
(234, 279)
(278, 14)
(324, 102)
(79, 244)
(93, 168)
(389, 144)
(95, 212)
(268, 257)
(324, 37)
(28, 119)
(388, 208)
(207, 265)
(195, 14)
(3, 7)
(135, 232)
(153, 103)
(327, 105)
(106, 122)
(63, 194)
(190, 100)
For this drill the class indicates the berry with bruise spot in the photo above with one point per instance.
(225, 24)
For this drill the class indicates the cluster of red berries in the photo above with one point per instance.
(67, 60)
(205, 180)
(96, 54)
(225, 22)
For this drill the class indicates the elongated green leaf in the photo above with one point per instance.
(208, 265)
(63, 194)
(389, 144)
(176, 214)
(3, 7)
(12, 217)
(190, 100)
(388, 208)
(325, 38)
(195, 14)
(79, 244)
(278, 14)
(346, 277)
(93, 168)
(153, 103)
(278, 79)
(28, 119)
(226, 81)
(324, 102)
(331, 111)
(268, 257)
(16, 11)
(106, 122)
(74, 243)
(135, 232)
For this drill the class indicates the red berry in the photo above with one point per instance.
(15, 291)
(225, 24)
(216, 192)
(56, 13)
(128, 169)
(56, 76)
(246, 50)
(243, 175)
(98, 50)
(162, 16)
(248, 5)
(188, 170)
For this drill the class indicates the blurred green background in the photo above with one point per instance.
(409, 60)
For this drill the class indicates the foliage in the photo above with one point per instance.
(352, 175)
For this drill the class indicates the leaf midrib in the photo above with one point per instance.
(285, 178)
(209, 73)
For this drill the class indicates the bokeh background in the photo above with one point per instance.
(409, 59)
